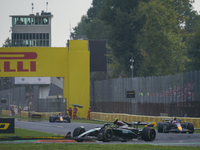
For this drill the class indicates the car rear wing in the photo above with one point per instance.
(146, 124)
(168, 120)
(165, 120)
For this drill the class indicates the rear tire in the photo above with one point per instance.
(52, 119)
(148, 134)
(107, 134)
(190, 127)
(160, 127)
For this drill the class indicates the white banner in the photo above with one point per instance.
(32, 80)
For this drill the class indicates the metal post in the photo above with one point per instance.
(131, 67)
(132, 60)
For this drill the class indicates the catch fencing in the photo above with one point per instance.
(30, 101)
(175, 95)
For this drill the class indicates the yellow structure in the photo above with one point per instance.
(109, 117)
(72, 63)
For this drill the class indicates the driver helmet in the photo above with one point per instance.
(115, 120)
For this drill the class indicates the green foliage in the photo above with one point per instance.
(80, 30)
(194, 49)
(157, 33)
(7, 43)
(91, 27)
(163, 49)
(126, 24)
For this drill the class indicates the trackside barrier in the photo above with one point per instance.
(24, 113)
(130, 118)
(44, 115)
(5, 112)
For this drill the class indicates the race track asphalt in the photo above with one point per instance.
(179, 139)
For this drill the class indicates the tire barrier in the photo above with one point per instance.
(109, 117)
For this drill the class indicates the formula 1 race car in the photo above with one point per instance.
(120, 130)
(60, 118)
(175, 125)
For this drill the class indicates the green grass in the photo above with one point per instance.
(78, 146)
(25, 132)
(67, 146)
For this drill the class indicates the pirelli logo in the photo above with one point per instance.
(7, 125)
(6, 57)
(4, 126)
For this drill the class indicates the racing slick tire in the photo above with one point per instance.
(148, 134)
(107, 134)
(166, 128)
(190, 126)
(78, 131)
(68, 120)
(52, 119)
(49, 118)
(160, 127)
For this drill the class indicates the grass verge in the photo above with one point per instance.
(56, 146)
(25, 132)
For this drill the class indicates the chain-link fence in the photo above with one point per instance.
(176, 95)
(12, 97)
(18, 98)
(49, 105)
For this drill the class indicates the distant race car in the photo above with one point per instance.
(175, 125)
(60, 118)
(120, 130)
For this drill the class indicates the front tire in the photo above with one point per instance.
(148, 134)
(190, 127)
(78, 131)
(160, 127)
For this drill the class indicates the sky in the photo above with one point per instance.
(66, 15)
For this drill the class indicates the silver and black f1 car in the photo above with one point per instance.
(60, 118)
(175, 125)
(120, 130)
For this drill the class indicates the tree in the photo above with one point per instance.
(91, 26)
(194, 49)
(125, 26)
(80, 30)
(7, 43)
(162, 48)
